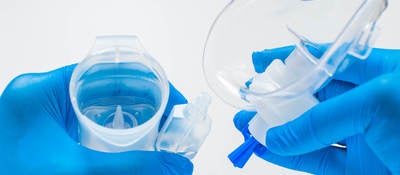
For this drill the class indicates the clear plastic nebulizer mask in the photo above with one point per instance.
(119, 93)
(326, 34)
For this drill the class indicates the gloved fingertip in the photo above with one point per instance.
(65, 69)
(63, 73)
(260, 62)
(242, 118)
(261, 59)
(68, 70)
(71, 66)
(177, 164)
(276, 142)
(176, 96)
(285, 141)
(315, 50)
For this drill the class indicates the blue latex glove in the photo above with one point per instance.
(39, 133)
(360, 109)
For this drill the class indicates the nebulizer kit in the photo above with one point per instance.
(119, 93)
(327, 36)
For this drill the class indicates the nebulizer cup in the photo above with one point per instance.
(326, 36)
(119, 93)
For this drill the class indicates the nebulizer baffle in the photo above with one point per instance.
(119, 93)
(327, 37)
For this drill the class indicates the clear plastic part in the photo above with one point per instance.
(186, 127)
(119, 94)
(285, 89)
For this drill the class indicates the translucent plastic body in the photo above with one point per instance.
(186, 127)
(119, 93)
(285, 90)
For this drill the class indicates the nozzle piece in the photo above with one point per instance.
(118, 122)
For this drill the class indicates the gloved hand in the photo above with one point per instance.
(39, 133)
(359, 109)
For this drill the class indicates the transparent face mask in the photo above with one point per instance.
(325, 36)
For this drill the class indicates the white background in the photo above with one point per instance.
(41, 35)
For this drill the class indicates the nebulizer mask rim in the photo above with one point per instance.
(144, 128)
(321, 63)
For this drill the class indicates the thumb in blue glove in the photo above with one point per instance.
(358, 110)
(39, 133)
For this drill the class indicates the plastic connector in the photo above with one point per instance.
(242, 154)
(186, 128)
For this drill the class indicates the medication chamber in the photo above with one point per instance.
(119, 93)
(327, 36)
